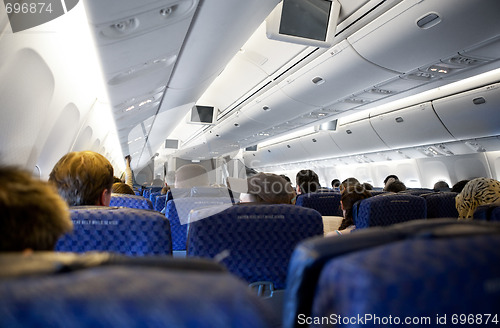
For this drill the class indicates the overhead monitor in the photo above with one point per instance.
(307, 22)
(203, 115)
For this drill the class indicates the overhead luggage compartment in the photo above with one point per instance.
(319, 146)
(417, 33)
(472, 114)
(336, 74)
(411, 126)
(357, 137)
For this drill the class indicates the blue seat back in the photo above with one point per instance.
(254, 242)
(310, 256)
(129, 295)
(326, 203)
(177, 213)
(441, 205)
(489, 212)
(152, 196)
(131, 201)
(160, 202)
(387, 209)
(114, 229)
(444, 275)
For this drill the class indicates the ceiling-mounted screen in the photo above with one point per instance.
(307, 22)
(203, 115)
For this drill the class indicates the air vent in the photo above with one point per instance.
(429, 20)
(399, 119)
(479, 101)
(318, 80)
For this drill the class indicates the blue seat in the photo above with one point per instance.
(153, 195)
(441, 205)
(131, 201)
(429, 277)
(489, 212)
(163, 292)
(160, 202)
(310, 256)
(254, 242)
(117, 229)
(326, 203)
(387, 209)
(177, 212)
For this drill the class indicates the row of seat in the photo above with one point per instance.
(437, 204)
(253, 241)
(431, 272)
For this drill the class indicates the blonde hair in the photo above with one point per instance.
(81, 177)
(33, 215)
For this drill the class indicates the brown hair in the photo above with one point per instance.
(122, 188)
(33, 215)
(350, 195)
(81, 177)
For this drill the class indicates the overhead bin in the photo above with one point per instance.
(336, 74)
(411, 126)
(319, 146)
(472, 114)
(275, 107)
(358, 137)
(417, 33)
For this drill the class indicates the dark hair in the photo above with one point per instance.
(350, 195)
(307, 181)
(395, 177)
(81, 177)
(441, 186)
(396, 186)
(348, 182)
(122, 188)
(335, 183)
(457, 187)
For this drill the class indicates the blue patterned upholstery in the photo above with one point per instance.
(177, 213)
(130, 297)
(152, 196)
(255, 242)
(387, 209)
(113, 229)
(160, 202)
(489, 212)
(441, 205)
(310, 256)
(417, 191)
(326, 203)
(132, 201)
(416, 278)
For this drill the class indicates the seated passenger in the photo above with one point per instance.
(389, 179)
(268, 188)
(335, 184)
(83, 178)
(350, 195)
(307, 181)
(441, 186)
(395, 186)
(348, 182)
(122, 188)
(459, 186)
(33, 215)
(476, 192)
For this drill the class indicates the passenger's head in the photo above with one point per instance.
(441, 186)
(307, 181)
(390, 179)
(83, 178)
(335, 183)
(348, 182)
(122, 188)
(476, 192)
(191, 175)
(33, 215)
(459, 186)
(268, 188)
(395, 186)
(349, 196)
